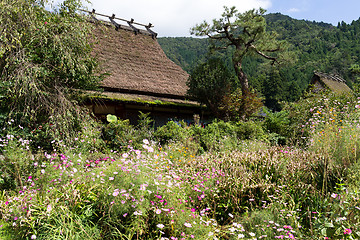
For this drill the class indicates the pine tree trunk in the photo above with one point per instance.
(242, 78)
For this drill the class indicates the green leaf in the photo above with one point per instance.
(329, 225)
(111, 118)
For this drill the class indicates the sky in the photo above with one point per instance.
(174, 18)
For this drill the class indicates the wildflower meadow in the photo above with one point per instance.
(222, 181)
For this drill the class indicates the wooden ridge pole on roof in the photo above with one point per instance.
(113, 17)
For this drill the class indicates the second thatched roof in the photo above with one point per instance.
(334, 83)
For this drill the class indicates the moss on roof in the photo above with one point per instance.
(139, 99)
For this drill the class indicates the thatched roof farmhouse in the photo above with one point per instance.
(334, 83)
(141, 77)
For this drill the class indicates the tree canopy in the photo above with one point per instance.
(209, 82)
(246, 32)
(44, 57)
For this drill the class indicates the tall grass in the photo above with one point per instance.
(239, 189)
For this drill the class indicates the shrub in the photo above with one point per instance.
(218, 134)
(119, 134)
(239, 107)
(250, 130)
(277, 124)
(171, 131)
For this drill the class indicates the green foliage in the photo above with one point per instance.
(239, 188)
(118, 135)
(237, 106)
(246, 33)
(318, 46)
(218, 134)
(209, 83)
(44, 57)
(15, 162)
(184, 54)
(145, 126)
(221, 136)
(111, 118)
(250, 130)
(172, 132)
(277, 123)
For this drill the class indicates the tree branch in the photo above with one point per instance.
(216, 37)
(263, 54)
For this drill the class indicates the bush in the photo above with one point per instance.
(119, 134)
(172, 131)
(250, 130)
(277, 124)
(218, 134)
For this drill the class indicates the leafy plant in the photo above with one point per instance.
(44, 57)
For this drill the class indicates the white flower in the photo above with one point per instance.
(210, 234)
(145, 141)
(160, 225)
(252, 234)
(241, 235)
(187, 225)
(137, 213)
(33, 236)
(157, 211)
(42, 171)
(232, 229)
(232, 216)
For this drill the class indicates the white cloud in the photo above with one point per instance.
(293, 10)
(172, 17)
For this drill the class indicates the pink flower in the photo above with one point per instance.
(347, 231)
(7, 202)
(45, 23)
(116, 192)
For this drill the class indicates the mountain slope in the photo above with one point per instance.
(318, 46)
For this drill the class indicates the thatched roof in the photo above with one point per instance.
(136, 63)
(331, 82)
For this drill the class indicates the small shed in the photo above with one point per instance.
(321, 81)
(141, 77)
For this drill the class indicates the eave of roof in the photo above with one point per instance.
(139, 99)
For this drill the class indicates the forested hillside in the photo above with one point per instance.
(318, 47)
